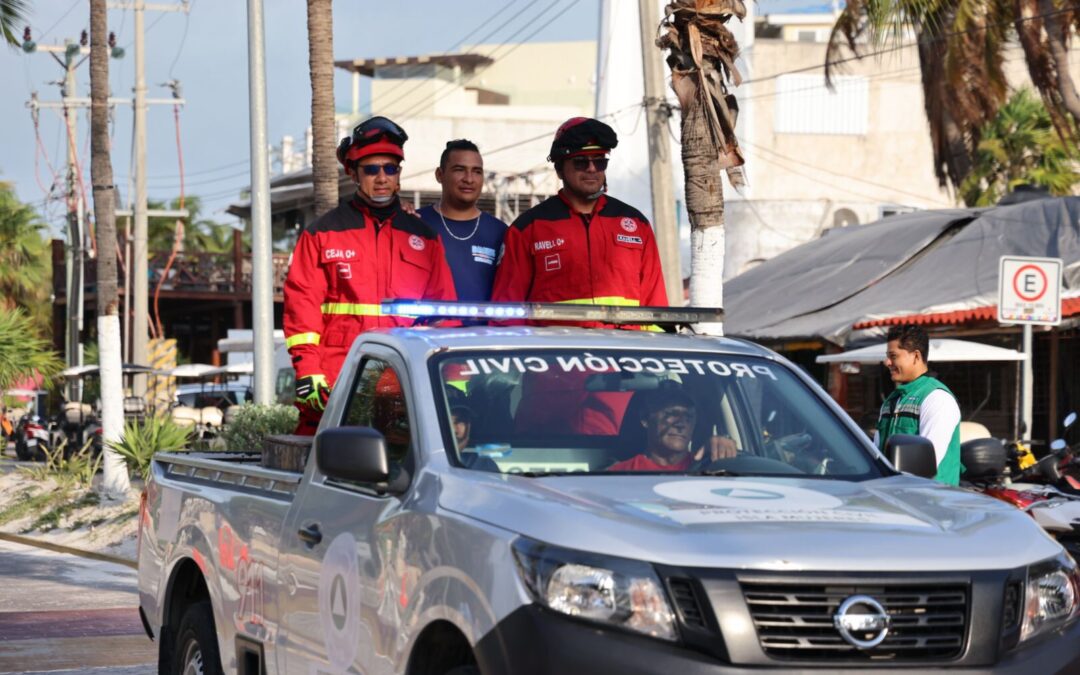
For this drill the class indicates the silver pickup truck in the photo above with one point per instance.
(564, 500)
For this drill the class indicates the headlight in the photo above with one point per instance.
(1052, 595)
(614, 591)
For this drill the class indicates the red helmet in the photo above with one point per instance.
(582, 136)
(374, 136)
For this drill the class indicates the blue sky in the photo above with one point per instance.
(207, 51)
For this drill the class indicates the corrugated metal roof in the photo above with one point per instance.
(1069, 307)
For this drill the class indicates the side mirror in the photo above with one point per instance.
(1059, 446)
(1069, 420)
(912, 454)
(353, 453)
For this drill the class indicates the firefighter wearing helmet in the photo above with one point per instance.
(581, 246)
(365, 250)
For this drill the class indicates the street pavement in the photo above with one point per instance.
(68, 614)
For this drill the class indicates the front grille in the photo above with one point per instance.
(795, 621)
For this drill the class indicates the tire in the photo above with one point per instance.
(195, 651)
(21, 451)
(983, 458)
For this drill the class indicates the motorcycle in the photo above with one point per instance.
(34, 436)
(1012, 473)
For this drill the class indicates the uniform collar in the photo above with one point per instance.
(378, 214)
(598, 205)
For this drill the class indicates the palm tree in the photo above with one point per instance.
(1020, 146)
(324, 168)
(961, 46)
(23, 353)
(25, 265)
(12, 13)
(115, 481)
(701, 56)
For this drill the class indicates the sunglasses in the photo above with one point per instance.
(373, 169)
(582, 163)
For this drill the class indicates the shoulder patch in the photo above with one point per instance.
(613, 208)
(551, 208)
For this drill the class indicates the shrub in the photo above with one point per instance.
(142, 440)
(252, 423)
(68, 470)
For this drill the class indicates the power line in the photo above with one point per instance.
(459, 43)
(486, 37)
(906, 45)
(57, 22)
(183, 38)
(450, 87)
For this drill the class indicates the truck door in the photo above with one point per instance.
(337, 589)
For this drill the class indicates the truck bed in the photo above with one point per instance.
(231, 471)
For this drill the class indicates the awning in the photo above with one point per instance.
(246, 368)
(1070, 306)
(940, 350)
(193, 370)
(93, 368)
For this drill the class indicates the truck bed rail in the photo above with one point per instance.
(230, 470)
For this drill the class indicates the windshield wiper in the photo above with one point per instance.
(713, 472)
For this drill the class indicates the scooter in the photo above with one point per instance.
(33, 437)
(1010, 473)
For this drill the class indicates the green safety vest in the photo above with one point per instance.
(900, 415)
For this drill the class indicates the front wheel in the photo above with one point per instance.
(196, 648)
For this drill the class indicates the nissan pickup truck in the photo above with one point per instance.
(516, 499)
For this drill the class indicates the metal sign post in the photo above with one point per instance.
(1029, 293)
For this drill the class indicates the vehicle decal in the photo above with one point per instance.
(589, 362)
(695, 502)
(339, 599)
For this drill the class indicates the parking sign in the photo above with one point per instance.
(1029, 290)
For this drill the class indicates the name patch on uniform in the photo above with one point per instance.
(417, 243)
(344, 270)
(552, 262)
(628, 224)
(338, 254)
(483, 254)
(548, 244)
(627, 239)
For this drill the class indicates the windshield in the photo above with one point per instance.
(543, 412)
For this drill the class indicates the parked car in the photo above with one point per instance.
(525, 540)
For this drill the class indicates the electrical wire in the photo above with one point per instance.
(178, 235)
(183, 38)
(57, 22)
(450, 87)
(449, 50)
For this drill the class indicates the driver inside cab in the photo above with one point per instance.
(669, 417)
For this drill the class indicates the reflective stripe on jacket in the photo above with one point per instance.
(552, 254)
(343, 267)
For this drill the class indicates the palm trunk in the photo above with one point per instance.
(116, 483)
(1057, 37)
(705, 207)
(324, 168)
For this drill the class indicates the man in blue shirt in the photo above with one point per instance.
(471, 238)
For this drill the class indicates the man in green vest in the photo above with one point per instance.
(921, 405)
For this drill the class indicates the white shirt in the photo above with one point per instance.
(939, 415)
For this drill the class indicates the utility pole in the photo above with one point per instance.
(140, 283)
(657, 113)
(262, 280)
(74, 249)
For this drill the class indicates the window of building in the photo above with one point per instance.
(804, 105)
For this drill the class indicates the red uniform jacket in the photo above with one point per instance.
(552, 254)
(343, 267)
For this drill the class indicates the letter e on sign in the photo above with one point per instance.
(1029, 290)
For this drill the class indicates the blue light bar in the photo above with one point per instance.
(552, 311)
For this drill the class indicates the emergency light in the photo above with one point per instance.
(554, 311)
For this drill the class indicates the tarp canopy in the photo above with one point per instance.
(940, 350)
(246, 368)
(193, 370)
(919, 262)
(93, 368)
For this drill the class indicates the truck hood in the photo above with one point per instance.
(899, 523)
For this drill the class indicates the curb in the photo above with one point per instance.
(60, 548)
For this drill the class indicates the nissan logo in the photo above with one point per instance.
(862, 621)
